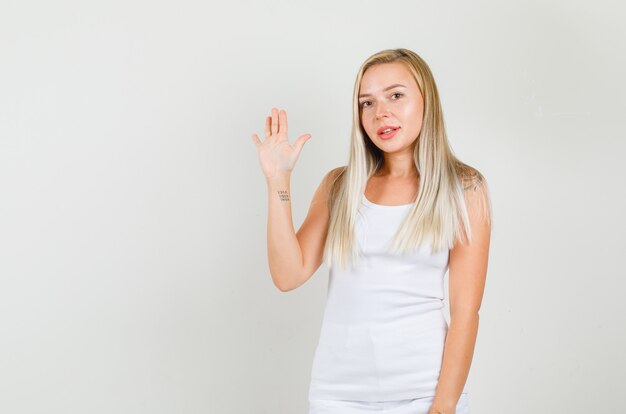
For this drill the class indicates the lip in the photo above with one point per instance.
(382, 128)
(388, 135)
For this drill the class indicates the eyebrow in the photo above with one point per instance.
(395, 85)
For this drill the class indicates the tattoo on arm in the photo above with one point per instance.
(472, 180)
(284, 195)
(474, 184)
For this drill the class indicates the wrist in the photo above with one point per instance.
(279, 181)
(280, 177)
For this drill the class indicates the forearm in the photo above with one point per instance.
(457, 359)
(284, 254)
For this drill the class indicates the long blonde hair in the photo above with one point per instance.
(439, 215)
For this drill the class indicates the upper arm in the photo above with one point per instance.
(468, 260)
(314, 229)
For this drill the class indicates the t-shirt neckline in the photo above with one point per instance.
(371, 204)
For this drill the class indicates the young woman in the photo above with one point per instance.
(389, 224)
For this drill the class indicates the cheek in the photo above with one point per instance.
(365, 123)
(411, 110)
(414, 113)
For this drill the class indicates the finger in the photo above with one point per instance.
(256, 140)
(274, 121)
(282, 121)
(302, 139)
(268, 131)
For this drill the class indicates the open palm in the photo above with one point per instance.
(276, 155)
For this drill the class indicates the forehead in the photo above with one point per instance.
(379, 76)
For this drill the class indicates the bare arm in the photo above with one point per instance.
(294, 258)
(283, 250)
(277, 158)
(467, 275)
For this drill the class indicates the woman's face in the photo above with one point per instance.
(389, 97)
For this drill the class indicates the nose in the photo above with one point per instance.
(381, 112)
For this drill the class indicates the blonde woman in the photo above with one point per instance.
(389, 224)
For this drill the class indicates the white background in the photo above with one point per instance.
(133, 210)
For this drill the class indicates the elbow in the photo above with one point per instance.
(284, 284)
(282, 288)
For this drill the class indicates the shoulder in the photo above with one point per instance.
(332, 181)
(471, 179)
(333, 176)
(475, 190)
(336, 172)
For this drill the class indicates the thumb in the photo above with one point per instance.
(300, 142)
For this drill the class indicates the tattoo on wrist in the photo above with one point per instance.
(284, 195)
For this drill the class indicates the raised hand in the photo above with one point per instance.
(276, 155)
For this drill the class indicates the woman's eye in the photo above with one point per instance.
(364, 104)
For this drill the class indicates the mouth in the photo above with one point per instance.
(387, 131)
